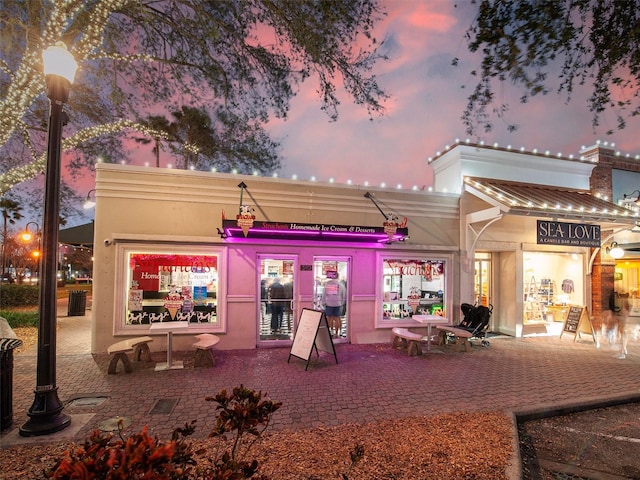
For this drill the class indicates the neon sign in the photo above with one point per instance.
(312, 231)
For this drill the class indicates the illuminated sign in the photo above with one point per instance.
(570, 234)
(312, 231)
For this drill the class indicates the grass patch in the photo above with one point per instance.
(22, 317)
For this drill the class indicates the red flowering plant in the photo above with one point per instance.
(138, 456)
(241, 414)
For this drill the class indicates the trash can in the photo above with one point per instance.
(77, 303)
(7, 345)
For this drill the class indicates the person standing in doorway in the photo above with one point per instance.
(277, 296)
(334, 297)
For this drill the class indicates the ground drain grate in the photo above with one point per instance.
(164, 405)
(87, 401)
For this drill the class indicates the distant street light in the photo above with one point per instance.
(45, 414)
(27, 236)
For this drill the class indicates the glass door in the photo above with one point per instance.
(276, 315)
(331, 293)
(483, 279)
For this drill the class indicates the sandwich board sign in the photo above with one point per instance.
(578, 322)
(312, 332)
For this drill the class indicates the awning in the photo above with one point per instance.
(517, 198)
(82, 235)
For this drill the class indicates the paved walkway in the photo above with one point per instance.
(369, 382)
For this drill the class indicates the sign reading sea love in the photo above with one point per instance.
(572, 234)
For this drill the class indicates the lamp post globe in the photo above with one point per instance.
(26, 236)
(45, 414)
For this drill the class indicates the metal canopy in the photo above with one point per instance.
(517, 198)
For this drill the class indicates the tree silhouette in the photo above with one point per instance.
(159, 125)
(579, 42)
(11, 211)
(246, 57)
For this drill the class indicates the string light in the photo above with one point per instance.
(26, 172)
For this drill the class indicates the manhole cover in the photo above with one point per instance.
(164, 405)
(87, 401)
(114, 424)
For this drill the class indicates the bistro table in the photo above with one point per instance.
(429, 320)
(170, 328)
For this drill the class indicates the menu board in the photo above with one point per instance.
(312, 331)
(573, 319)
(578, 322)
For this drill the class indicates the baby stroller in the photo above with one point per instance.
(476, 321)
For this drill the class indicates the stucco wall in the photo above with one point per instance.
(177, 207)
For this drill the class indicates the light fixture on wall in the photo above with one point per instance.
(390, 224)
(615, 251)
(89, 203)
(633, 197)
(245, 215)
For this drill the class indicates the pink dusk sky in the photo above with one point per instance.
(423, 115)
(428, 96)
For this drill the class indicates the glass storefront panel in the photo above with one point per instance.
(552, 282)
(331, 287)
(626, 281)
(482, 279)
(171, 286)
(412, 286)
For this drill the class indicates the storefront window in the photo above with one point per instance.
(412, 286)
(171, 286)
(552, 282)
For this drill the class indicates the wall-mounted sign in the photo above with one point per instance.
(570, 234)
(312, 231)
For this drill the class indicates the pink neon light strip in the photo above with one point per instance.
(378, 237)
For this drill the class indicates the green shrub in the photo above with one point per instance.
(239, 413)
(19, 318)
(15, 295)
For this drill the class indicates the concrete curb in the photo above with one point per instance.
(514, 471)
(555, 410)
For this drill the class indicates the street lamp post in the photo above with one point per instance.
(45, 414)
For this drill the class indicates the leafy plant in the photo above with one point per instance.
(356, 455)
(241, 412)
(244, 412)
(139, 456)
(14, 295)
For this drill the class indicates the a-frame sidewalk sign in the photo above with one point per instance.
(578, 322)
(312, 332)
